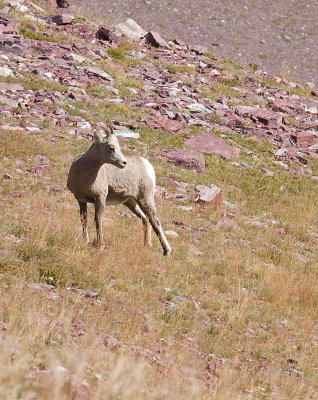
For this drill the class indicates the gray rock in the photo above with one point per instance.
(130, 29)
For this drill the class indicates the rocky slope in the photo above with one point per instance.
(233, 313)
(277, 36)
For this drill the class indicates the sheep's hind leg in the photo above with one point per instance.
(149, 209)
(83, 213)
(133, 207)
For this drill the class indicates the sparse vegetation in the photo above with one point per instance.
(231, 315)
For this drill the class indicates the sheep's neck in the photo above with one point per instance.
(91, 159)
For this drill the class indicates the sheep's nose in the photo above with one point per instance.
(124, 162)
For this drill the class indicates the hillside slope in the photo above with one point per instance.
(277, 35)
(233, 312)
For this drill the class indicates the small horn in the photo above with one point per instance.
(111, 129)
(97, 137)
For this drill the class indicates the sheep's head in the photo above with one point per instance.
(109, 149)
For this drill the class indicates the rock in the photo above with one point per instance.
(287, 106)
(269, 118)
(5, 71)
(199, 49)
(104, 33)
(76, 57)
(185, 158)
(209, 194)
(267, 171)
(227, 223)
(171, 233)
(154, 39)
(303, 137)
(8, 102)
(78, 330)
(11, 87)
(212, 144)
(63, 19)
(197, 107)
(111, 342)
(99, 72)
(167, 124)
(62, 3)
(41, 286)
(159, 191)
(41, 170)
(127, 133)
(257, 224)
(130, 29)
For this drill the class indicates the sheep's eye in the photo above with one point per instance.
(111, 149)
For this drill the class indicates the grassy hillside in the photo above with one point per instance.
(232, 314)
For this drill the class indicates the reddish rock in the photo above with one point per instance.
(303, 137)
(156, 40)
(199, 49)
(185, 158)
(269, 118)
(159, 191)
(63, 19)
(227, 223)
(12, 87)
(41, 170)
(99, 72)
(111, 342)
(212, 144)
(287, 106)
(104, 33)
(180, 43)
(209, 194)
(167, 124)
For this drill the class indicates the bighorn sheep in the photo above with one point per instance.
(104, 176)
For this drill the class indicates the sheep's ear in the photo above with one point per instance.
(97, 137)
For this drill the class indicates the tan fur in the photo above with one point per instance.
(101, 178)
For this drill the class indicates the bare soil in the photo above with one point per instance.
(279, 36)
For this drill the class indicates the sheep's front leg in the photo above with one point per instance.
(83, 213)
(99, 209)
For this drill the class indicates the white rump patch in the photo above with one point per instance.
(150, 171)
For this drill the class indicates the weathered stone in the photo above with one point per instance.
(104, 33)
(8, 102)
(159, 191)
(185, 158)
(154, 39)
(209, 194)
(287, 106)
(41, 286)
(99, 72)
(269, 118)
(199, 49)
(166, 124)
(63, 19)
(111, 342)
(127, 133)
(130, 29)
(303, 137)
(227, 223)
(212, 144)
(10, 44)
(41, 170)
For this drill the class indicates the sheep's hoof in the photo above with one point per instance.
(98, 245)
(167, 253)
